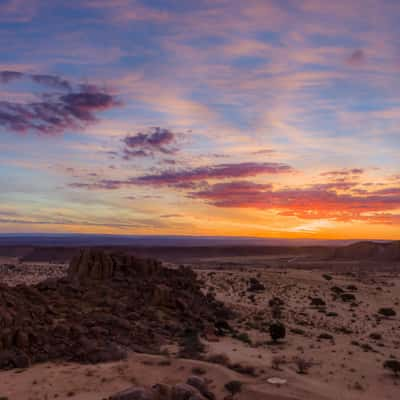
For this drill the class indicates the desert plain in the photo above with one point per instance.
(338, 334)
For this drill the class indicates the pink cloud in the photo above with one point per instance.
(314, 202)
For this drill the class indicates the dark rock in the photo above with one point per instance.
(255, 285)
(135, 393)
(110, 303)
(183, 391)
(201, 385)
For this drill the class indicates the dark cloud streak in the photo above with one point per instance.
(157, 140)
(54, 113)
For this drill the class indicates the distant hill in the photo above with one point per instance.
(374, 251)
(61, 248)
(87, 240)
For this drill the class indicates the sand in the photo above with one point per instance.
(348, 366)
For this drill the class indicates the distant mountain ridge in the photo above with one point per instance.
(75, 239)
(61, 248)
(375, 251)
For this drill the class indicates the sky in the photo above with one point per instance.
(267, 118)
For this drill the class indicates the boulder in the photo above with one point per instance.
(201, 385)
(183, 391)
(134, 393)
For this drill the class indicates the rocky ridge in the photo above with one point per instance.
(107, 304)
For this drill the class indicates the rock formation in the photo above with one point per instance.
(107, 304)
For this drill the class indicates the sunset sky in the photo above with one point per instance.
(270, 118)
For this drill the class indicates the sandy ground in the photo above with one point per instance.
(348, 366)
(13, 272)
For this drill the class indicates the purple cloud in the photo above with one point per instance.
(52, 81)
(343, 172)
(8, 76)
(356, 58)
(220, 171)
(158, 140)
(191, 178)
(55, 114)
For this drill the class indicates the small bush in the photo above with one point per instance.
(233, 387)
(276, 301)
(191, 346)
(317, 302)
(277, 331)
(347, 297)
(276, 312)
(302, 365)
(198, 371)
(243, 369)
(387, 312)
(298, 331)
(337, 289)
(220, 359)
(375, 336)
(243, 337)
(326, 336)
(392, 365)
(277, 361)
(255, 285)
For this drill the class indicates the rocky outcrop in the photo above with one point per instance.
(194, 389)
(108, 304)
(99, 265)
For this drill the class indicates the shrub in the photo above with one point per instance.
(337, 289)
(255, 285)
(387, 312)
(332, 314)
(198, 371)
(233, 387)
(277, 361)
(243, 369)
(243, 337)
(277, 331)
(298, 331)
(317, 302)
(375, 336)
(191, 346)
(276, 312)
(392, 365)
(347, 297)
(275, 301)
(326, 336)
(302, 365)
(221, 359)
